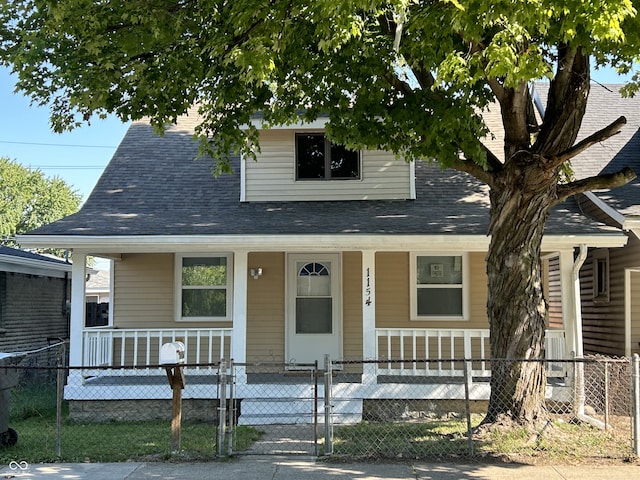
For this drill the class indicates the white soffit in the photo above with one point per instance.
(354, 242)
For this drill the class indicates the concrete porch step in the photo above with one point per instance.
(294, 411)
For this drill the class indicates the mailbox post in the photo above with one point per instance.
(172, 357)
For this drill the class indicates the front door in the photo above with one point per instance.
(314, 320)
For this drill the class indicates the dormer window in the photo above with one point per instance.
(319, 159)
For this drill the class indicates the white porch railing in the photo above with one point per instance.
(127, 347)
(405, 347)
(402, 348)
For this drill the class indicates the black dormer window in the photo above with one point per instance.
(319, 159)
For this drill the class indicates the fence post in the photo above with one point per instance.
(606, 394)
(328, 398)
(222, 408)
(578, 385)
(315, 407)
(232, 409)
(636, 403)
(59, 397)
(467, 403)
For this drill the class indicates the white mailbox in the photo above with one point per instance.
(172, 353)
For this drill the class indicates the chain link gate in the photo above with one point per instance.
(276, 404)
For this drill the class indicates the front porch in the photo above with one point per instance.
(379, 348)
(426, 365)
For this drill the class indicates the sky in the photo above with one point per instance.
(80, 156)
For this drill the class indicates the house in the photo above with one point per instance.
(98, 286)
(311, 250)
(97, 294)
(35, 294)
(610, 277)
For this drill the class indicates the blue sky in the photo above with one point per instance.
(78, 157)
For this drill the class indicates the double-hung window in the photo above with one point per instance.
(319, 159)
(439, 287)
(203, 285)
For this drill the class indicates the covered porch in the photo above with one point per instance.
(372, 279)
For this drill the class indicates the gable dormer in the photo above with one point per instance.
(298, 163)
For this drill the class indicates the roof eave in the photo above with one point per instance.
(33, 266)
(345, 241)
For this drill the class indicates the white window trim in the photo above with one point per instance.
(414, 287)
(598, 255)
(178, 287)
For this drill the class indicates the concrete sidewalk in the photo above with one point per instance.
(295, 468)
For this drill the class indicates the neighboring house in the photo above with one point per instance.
(97, 291)
(311, 250)
(98, 286)
(610, 277)
(35, 294)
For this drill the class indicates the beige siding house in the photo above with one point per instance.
(311, 250)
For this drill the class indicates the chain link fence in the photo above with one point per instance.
(340, 409)
(591, 408)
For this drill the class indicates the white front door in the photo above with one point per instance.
(314, 313)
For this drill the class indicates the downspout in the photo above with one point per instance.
(577, 265)
(578, 347)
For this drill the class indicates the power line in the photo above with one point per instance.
(58, 144)
(68, 167)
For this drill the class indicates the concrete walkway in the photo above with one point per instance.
(296, 468)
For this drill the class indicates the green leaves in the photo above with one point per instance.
(29, 200)
(285, 59)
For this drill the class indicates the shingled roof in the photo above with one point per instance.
(8, 252)
(153, 186)
(21, 261)
(605, 105)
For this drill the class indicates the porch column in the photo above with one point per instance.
(571, 308)
(239, 334)
(78, 311)
(369, 371)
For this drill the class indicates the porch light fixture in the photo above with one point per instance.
(256, 273)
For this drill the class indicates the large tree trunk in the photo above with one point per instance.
(520, 201)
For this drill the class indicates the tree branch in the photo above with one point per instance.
(497, 88)
(493, 163)
(601, 135)
(472, 168)
(425, 78)
(399, 85)
(610, 180)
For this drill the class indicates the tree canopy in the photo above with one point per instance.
(370, 65)
(29, 199)
(413, 77)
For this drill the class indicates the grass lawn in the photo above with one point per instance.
(560, 440)
(33, 416)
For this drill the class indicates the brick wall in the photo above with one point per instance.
(32, 310)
